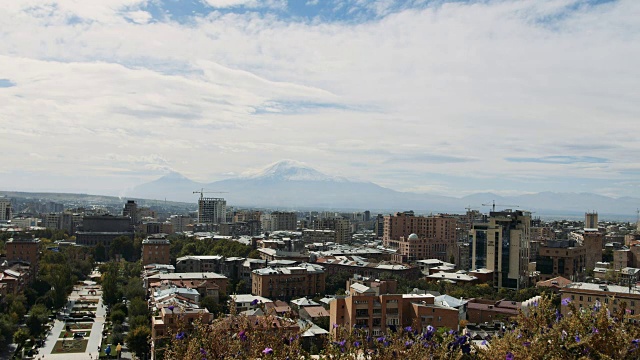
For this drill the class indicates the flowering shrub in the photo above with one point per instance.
(543, 334)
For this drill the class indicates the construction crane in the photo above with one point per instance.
(493, 205)
(202, 192)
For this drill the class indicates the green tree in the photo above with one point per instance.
(137, 321)
(38, 316)
(111, 293)
(7, 328)
(117, 316)
(122, 245)
(134, 289)
(336, 282)
(137, 306)
(138, 340)
(21, 336)
(100, 252)
(17, 309)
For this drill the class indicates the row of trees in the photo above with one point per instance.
(182, 246)
(59, 270)
(124, 294)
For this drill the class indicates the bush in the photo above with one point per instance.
(544, 333)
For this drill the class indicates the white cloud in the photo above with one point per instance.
(486, 81)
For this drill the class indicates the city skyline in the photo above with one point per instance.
(449, 98)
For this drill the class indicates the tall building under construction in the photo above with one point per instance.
(211, 210)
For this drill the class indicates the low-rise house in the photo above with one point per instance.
(481, 310)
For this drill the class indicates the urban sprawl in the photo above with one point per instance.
(95, 281)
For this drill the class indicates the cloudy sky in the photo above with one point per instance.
(447, 97)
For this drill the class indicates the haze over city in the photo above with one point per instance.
(450, 98)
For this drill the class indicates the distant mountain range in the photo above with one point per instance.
(290, 184)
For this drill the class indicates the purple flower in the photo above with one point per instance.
(408, 329)
(242, 335)
(267, 351)
(577, 338)
(203, 351)
(451, 332)
(408, 343)
(171, 307)
(356, 344)
(566, 301)
(483, 343)
(509, 356)
(558, 316)
(595, 330)
(180, 335)
(342, 343)
(380, 339)
(335, 326)
(519, 336)
(430, 328)
(526, 344)
(254, 303)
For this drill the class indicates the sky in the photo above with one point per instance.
(443, 97)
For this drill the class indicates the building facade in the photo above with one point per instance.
(341, 227)
(288, 282)
(5, 209)
(561, 258)
(282, 220)
(587, 295)
(502, 245)
(212, 210)
(23, 250)
(377, 314)
(155, 251)
(420, 237)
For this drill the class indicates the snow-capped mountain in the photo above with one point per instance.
(292, 184)
(290, 170)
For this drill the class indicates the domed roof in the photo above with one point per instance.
(413, 237)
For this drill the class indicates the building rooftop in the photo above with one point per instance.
(188, 275)
(601, 288)
(247, 298)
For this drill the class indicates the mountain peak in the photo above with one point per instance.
(173, 175)
(290, 170)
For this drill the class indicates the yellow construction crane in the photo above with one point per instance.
(493, 205)
(202, 192)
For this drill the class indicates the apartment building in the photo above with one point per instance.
(288, 282)
(155, 250)
(355, 265)
(378, 314)
(561, 258)
(420, 237)
(587, 295)
(341, 228)
(23, 250)
(5, 209)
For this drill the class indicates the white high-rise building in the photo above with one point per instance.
(212, 210)
(5, 209)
